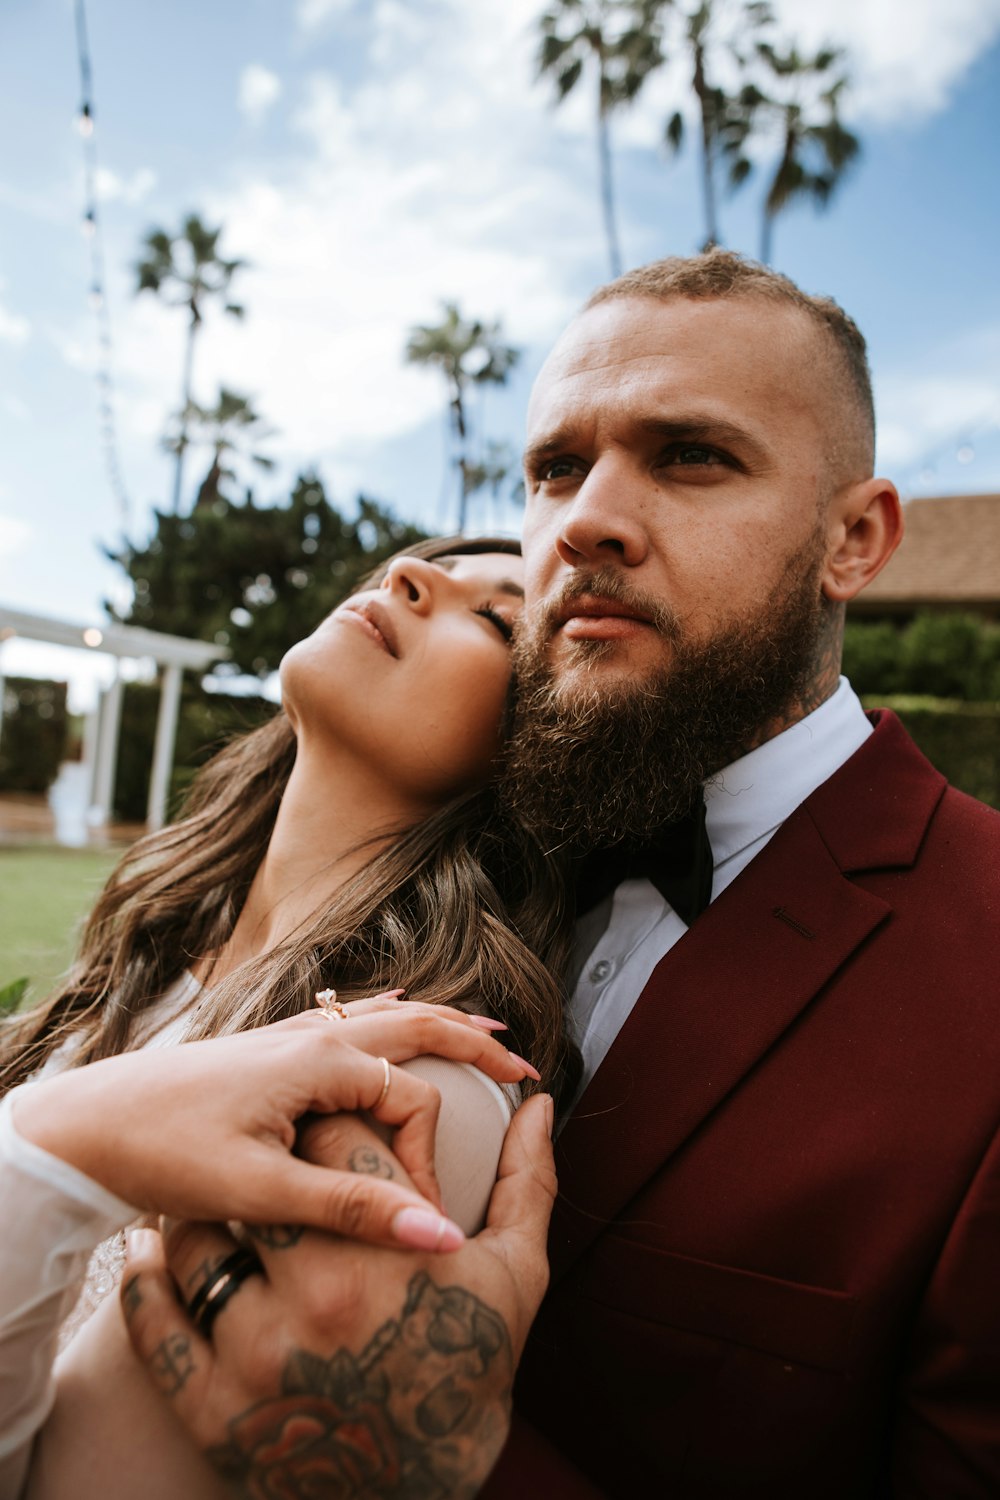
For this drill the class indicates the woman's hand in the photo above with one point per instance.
(206, 1129)
(339, 1369)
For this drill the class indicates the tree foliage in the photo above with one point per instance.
(186, 270)
(255, 579)
(804, 97)
(726, 116)
(230, 427)
(468, 353)
(619, 41)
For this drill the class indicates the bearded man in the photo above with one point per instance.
(775, 1248)
(774, 1251)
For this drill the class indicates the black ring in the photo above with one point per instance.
(212, 1296)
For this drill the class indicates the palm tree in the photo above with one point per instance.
(185, 269)
(466, 353)
(226, 427)
(816, 147)
(726, 119)
(622, 39)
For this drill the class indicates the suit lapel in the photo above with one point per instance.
(733, 985)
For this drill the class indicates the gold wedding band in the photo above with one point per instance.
(329, 1006)
(385, 1086)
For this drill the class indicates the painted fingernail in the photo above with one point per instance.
(137, 1239)
(487, 1023)
(549, 1111)
(389, 995)
(531, 1072)
(422, 1229)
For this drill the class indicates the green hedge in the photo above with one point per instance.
(937, 655)
(961, 739)
(33, 734)
(207, 721)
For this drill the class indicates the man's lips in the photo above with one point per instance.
(375, 620)
(594, 619)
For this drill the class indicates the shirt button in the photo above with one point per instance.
(601, 970)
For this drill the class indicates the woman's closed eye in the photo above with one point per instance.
(503, 625)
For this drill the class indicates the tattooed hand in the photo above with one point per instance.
(348, 1370)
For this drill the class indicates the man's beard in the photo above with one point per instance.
(589, 765)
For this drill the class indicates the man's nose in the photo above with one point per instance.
(604, 522)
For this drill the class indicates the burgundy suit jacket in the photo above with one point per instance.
(776, 1251)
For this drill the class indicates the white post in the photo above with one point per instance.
(107, 752)
(91, 740)
(163, 752)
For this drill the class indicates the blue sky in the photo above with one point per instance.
(372, 157)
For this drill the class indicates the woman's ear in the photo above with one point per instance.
(865, 528)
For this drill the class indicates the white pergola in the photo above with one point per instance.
(171, 652)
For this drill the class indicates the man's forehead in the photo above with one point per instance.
(736, 342)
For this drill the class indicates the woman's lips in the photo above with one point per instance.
(375, 621)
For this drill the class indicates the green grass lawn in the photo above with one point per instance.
(44, 892)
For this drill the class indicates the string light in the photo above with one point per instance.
(97, 295)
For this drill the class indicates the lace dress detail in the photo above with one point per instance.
(104, 1273)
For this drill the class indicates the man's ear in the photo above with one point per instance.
(865, 528)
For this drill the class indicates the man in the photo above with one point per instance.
(774, 1254)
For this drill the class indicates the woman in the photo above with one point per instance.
(353, 844)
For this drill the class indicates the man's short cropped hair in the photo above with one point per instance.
(720, 273)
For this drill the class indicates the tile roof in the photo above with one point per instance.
(950, 554)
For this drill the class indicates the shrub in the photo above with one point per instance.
(960, 739)
(206, 722)
(936, 655)
(32, 735)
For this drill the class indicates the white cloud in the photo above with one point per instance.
(14, 536)
(926, 411)
(434, 177)
(13, 407)
(110, 186)
(259, 89)
(908, 57)
(311, 14)
(13, 328)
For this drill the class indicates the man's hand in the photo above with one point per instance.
(347, 1370)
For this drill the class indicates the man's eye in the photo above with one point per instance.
(692, 454)
(556, 468)
(494, 616)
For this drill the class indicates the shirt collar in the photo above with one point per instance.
(754, 795)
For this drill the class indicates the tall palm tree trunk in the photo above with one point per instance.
(607, 182)
(707, 152)
(776, 197)
(185, 403)
(766, 237)
(462, 458)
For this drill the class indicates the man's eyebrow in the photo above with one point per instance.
(697, 428)
(502, 585)
(537, 452)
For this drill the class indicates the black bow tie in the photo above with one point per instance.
(677, 859)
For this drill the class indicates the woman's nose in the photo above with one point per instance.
(413, 579)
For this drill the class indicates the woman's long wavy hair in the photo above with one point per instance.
(463, 908)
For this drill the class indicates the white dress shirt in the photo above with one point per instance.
(619, 943)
